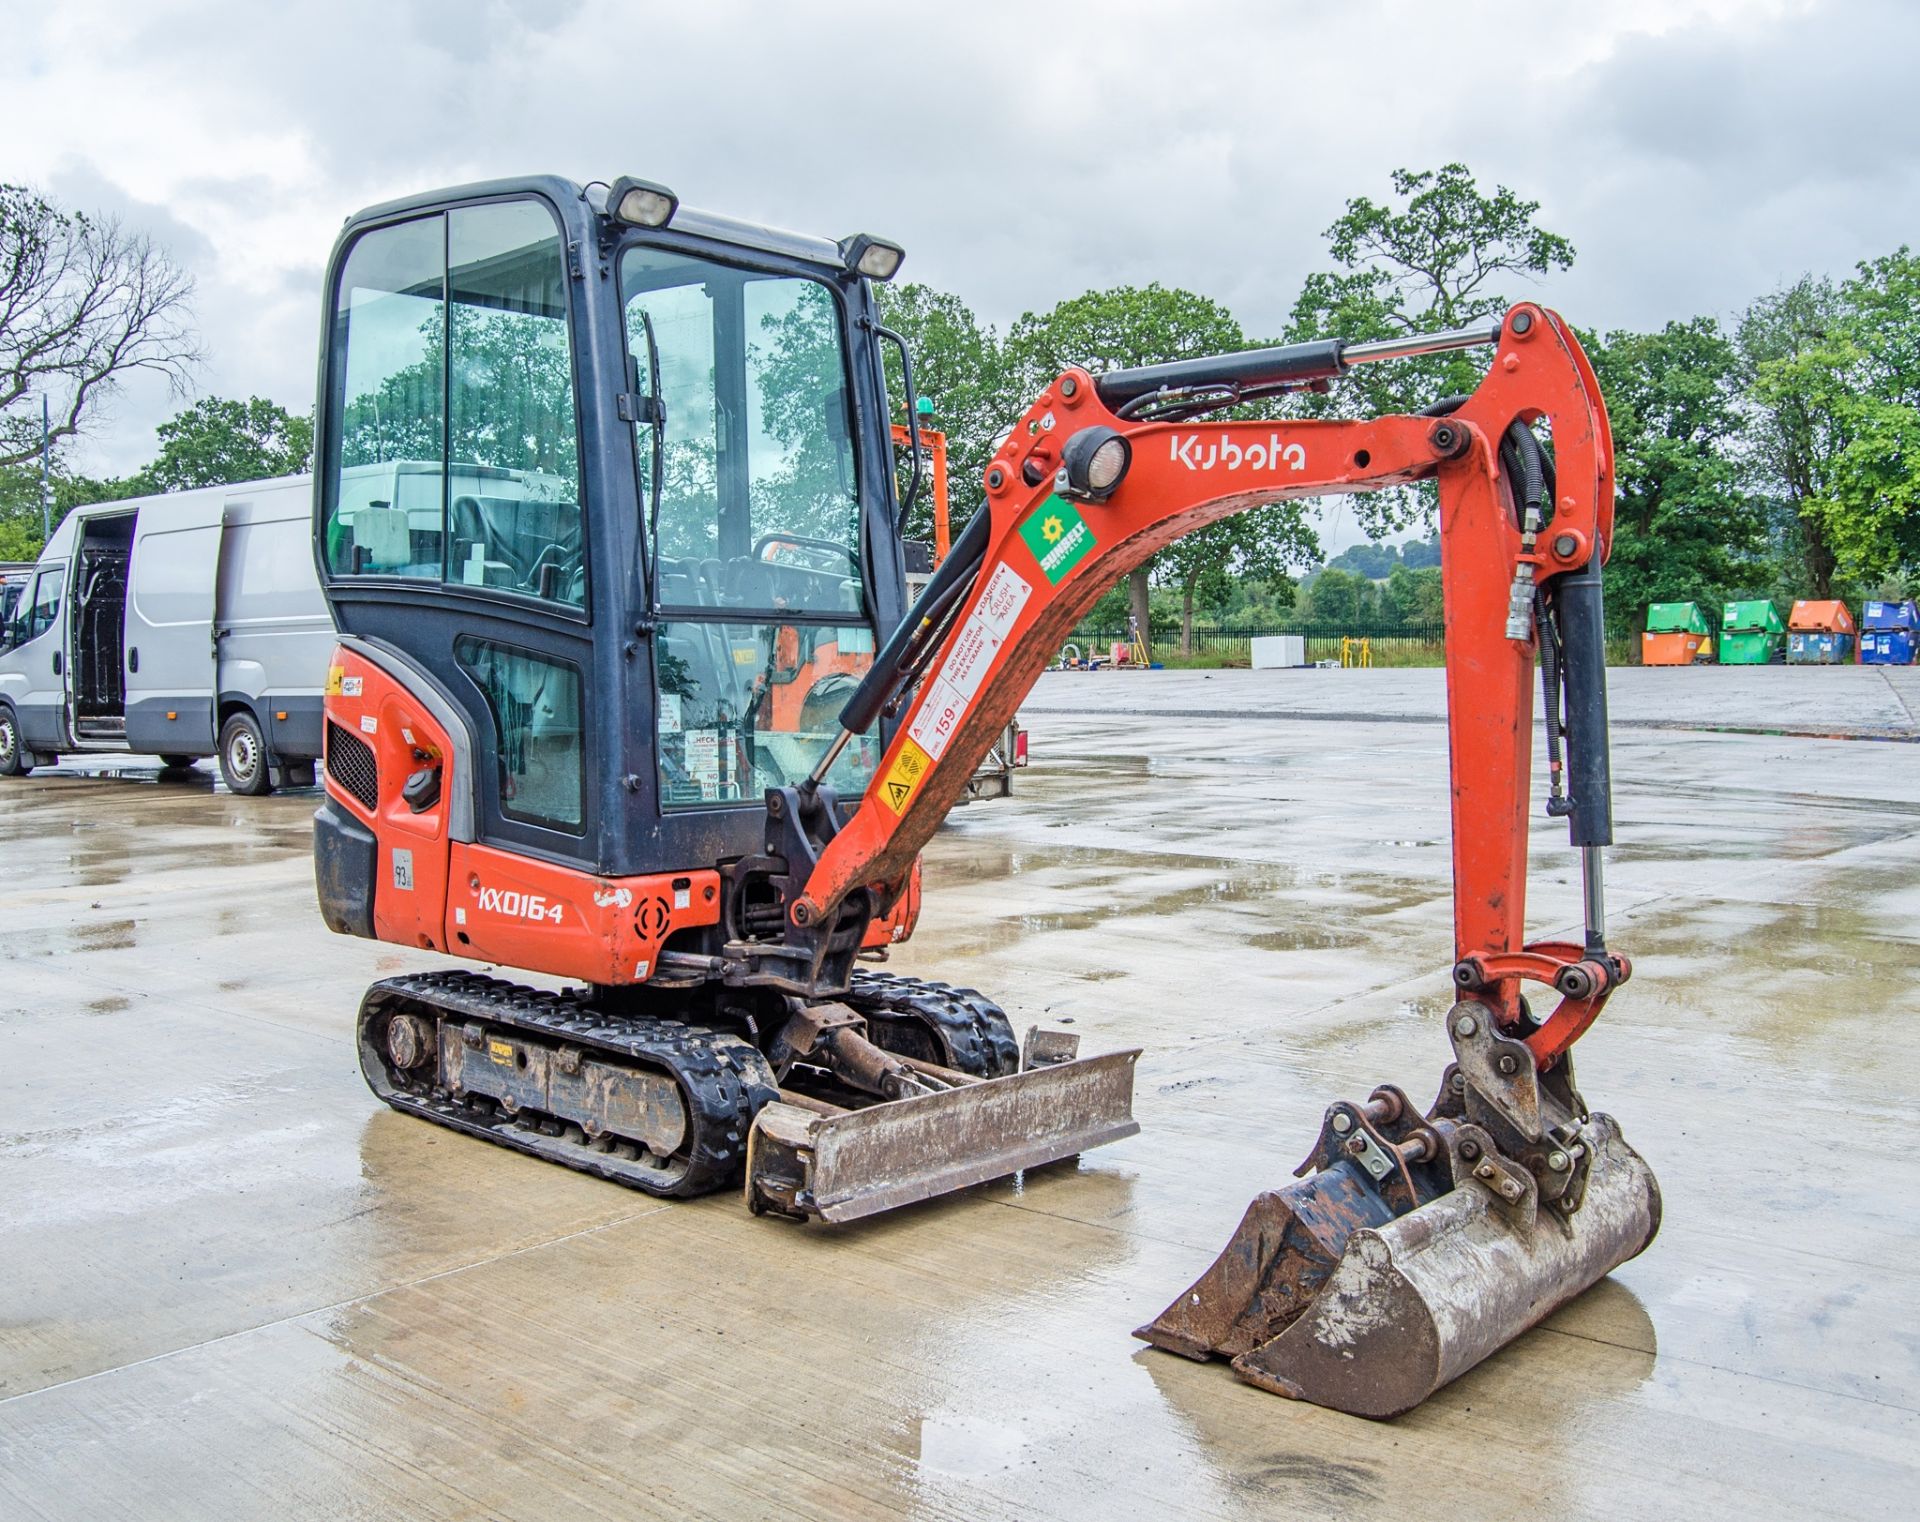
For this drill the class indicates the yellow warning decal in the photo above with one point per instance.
(904, 777)
(334, 673)
(500, 1051)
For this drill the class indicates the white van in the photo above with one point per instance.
(184, 625)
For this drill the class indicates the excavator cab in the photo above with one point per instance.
(625, 493)
(608, 521)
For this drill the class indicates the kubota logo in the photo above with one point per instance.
(1228, 455)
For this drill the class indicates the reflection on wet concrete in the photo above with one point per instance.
(236, 1286)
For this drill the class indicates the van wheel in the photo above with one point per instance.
(243, 757)
(13, 760)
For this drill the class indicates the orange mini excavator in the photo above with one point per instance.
(628, 692)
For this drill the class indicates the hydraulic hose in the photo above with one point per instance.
(918, 630)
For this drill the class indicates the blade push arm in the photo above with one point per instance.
(1054, 535)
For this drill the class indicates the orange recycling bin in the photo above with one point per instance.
(1679, 648)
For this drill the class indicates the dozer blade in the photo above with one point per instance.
(1324, 1295)
(815, 1161)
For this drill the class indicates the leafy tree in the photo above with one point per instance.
(1867, 377)
(1685, 526)
(216, 441)
(1262, 543)
(1142, 325)
(1417, 554)
(1373, 561)
(83, 304)
(1440, 254)
(1413, 596)
(1791, 362)
(1338, 597)
(958, 363)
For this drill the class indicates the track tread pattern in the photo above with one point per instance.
(972, 1032)
(723, 1078)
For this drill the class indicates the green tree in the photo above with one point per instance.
(215, 442)
(1867, 376)
(1263, 543)
(1413, 596)
(1439, 254)
(20, 515)
(959, 364)
(1685, 526)
(1338, 597)
(1142, 325)
(1792, 365)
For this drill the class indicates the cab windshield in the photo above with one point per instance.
(742, 383)
(759, 505)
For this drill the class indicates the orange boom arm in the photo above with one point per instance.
(1049, 543)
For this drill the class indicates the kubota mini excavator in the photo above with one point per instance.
(627, 693)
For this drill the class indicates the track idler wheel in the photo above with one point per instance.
(1341, 1291)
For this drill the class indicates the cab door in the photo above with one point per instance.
(452, 527)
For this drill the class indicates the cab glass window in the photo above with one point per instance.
(759, 504)
(535, 702)
(513, 459)
(453, 417)
(45, 613)
(389, 415)
(749, 706)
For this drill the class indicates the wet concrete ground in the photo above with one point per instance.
(233, 1286)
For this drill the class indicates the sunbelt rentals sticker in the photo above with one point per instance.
(1058, 536)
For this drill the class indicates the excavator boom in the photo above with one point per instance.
(1414, 1244)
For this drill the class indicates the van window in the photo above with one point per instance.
(45, 613)
(12, 597)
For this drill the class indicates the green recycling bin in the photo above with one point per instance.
(1752, 633)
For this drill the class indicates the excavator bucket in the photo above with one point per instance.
(811, 1159)
(1333, 1291)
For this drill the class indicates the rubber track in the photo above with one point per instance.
(723, 1078)
(974, 1030)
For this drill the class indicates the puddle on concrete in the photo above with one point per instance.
(968, 1447)
(1306, 938)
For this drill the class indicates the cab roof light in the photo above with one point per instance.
(873, 257)
(643, 203)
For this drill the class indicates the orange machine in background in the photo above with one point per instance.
(934, 443)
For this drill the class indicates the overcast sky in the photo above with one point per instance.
(1697, 152)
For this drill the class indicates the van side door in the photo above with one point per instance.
(273, 631)
(171, 698)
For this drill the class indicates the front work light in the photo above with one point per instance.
(873, 257)
(1093, 463)
(641, 202)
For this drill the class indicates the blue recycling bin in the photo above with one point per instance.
(1889, 633)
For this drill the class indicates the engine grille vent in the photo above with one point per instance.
(350, 763)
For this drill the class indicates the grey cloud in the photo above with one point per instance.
(1206, 145)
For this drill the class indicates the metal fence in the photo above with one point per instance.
(1398, 644)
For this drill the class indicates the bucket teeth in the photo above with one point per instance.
(1325, 1295)
(1278, 1259)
